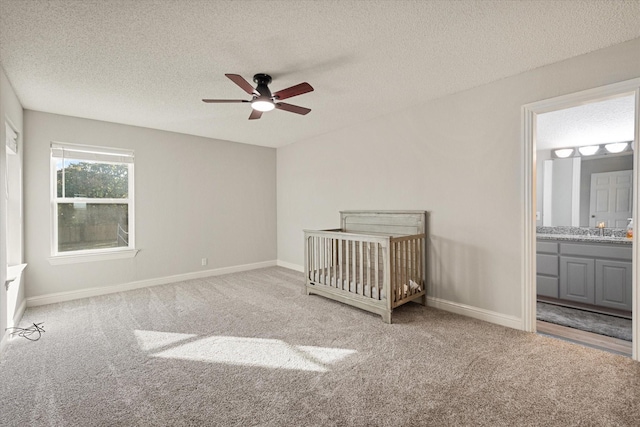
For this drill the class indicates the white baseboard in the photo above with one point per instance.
(453, 307)
(17, 317)
(290, 266)
(104, 290)
(476, 313)
(463, 309)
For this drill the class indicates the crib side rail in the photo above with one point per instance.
(408, 268)
(351, 262)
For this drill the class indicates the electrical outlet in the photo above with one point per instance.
(537, 216)
(204, 261)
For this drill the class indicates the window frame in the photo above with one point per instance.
(99, 154)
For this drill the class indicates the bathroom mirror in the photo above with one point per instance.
(566, 196)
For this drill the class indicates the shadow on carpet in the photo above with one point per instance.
(602, 324)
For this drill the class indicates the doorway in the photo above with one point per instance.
(576, 271)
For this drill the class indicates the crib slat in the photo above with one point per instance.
(402, 269)
(400, 272)
(422, 282)
(340, 243)
(394, 279)
(326, 262)
(307, 264)
(407, 262)
(361, 259)
(416, 260)
(317, 251)
(394, 263)
(377, 269)
(413, 261)
(312, 256)
(369, 269)
(334, 264)
(322, 261)
(354, 271)
(407, 274)
(347, 264)
(391, 272)
(410, 263)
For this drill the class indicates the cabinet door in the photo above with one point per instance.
(547, 286)
(547, 264)
(613, 284)
(577, 279)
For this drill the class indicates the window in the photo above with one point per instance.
(92, 202)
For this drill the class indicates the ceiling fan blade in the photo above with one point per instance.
(292, 108)
(293, 91)
(224, 101)
(255, 114)
(240, 81)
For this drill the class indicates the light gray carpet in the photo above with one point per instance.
(583, 320)
(249, 349)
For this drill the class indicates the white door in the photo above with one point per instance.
(611, 198)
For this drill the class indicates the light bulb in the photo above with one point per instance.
(616, 147)
(564, 152)
(589, 150)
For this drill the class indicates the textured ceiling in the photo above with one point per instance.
(149, 63)
(595, 123)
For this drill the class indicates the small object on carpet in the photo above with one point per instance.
(28, 332)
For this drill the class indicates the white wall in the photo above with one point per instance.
(195, 198)
(459, 157)
(11, 111)
(541, 156)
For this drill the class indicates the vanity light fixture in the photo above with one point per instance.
(564, 152)
(616, 147)
(589, 150)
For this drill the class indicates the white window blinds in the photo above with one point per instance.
(91, 153)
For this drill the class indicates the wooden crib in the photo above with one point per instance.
(376, 261)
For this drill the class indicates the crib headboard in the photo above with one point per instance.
(395, 223)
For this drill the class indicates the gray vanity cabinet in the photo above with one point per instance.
(613, 284)
(588, 273)
(577, 280)
(547, 269)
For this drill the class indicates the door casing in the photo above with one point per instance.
(528, 138)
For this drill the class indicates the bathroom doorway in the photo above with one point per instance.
(581, 274)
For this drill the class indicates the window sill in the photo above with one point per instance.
(101, 256)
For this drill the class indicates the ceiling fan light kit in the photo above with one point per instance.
(262, 104)
(262, 98)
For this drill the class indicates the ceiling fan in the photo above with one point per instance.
(262, 98)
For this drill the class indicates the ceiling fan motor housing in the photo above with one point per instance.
(263, 80)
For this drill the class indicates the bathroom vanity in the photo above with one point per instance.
(585, 269)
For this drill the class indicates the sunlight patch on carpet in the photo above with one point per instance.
(258, 352)
(151, 340)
